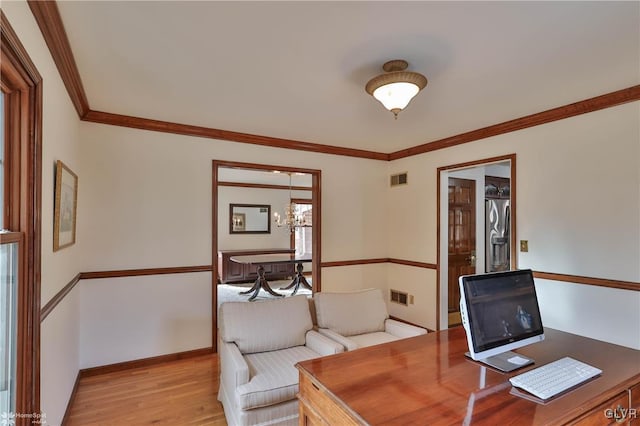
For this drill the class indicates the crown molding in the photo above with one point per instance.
(48, 18)
(227, 135)
(608, 100)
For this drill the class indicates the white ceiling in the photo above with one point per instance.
(297, 70)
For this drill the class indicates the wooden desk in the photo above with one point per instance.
(427, 380)
(273, 259)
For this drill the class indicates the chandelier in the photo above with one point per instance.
(396, 87)
(291, 219)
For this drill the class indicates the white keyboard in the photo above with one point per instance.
(556, 377)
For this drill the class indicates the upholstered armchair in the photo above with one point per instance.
(359, 319)
(259, 345)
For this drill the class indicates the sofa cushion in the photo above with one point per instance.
(274, 377)
(265, 326)
(351, 313)
(370, 339)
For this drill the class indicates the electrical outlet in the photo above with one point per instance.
(524, 245)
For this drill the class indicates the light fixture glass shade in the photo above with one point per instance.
(396, 95)
(396, 87)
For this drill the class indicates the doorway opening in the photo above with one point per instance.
(242, 192)
(461, 237)
(476, 226)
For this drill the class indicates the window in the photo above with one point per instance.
(302, 237)
(2, 172)
(8, 285)
(9, 266)
(20, 183)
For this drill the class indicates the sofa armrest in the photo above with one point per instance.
(234, 370)
(321, 344)
(402, 330)
(344, 341)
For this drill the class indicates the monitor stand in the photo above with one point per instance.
(506, 361)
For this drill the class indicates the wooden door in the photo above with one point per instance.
(462, 239)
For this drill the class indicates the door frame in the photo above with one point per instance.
(316, 183)
(442, 227)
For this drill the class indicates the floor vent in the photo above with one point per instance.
(399, 179)
(399, 297)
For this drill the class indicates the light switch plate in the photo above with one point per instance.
(524, 245)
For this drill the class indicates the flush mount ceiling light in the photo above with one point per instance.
(396, 87)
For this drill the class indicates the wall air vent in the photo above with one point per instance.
(399, 297)
(399, 179)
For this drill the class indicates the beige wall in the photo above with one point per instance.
(151, 189)
(149, 199)
(577, 204)
(164, 182)
(133, 318)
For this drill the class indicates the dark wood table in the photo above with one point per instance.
(428, 380)
(261, 282)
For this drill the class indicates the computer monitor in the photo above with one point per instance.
(500, 313)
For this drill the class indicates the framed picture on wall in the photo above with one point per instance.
(249, 218)
(65, 207)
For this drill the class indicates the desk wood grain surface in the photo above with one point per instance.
(428, 380)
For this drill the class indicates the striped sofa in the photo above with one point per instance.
(260, 343)
(358, 319)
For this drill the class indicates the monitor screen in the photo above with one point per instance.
(499, 312)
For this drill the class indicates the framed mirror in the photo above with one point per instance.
(249, 219)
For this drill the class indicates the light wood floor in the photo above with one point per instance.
(177, 393)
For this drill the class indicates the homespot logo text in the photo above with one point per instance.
(9, 418)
